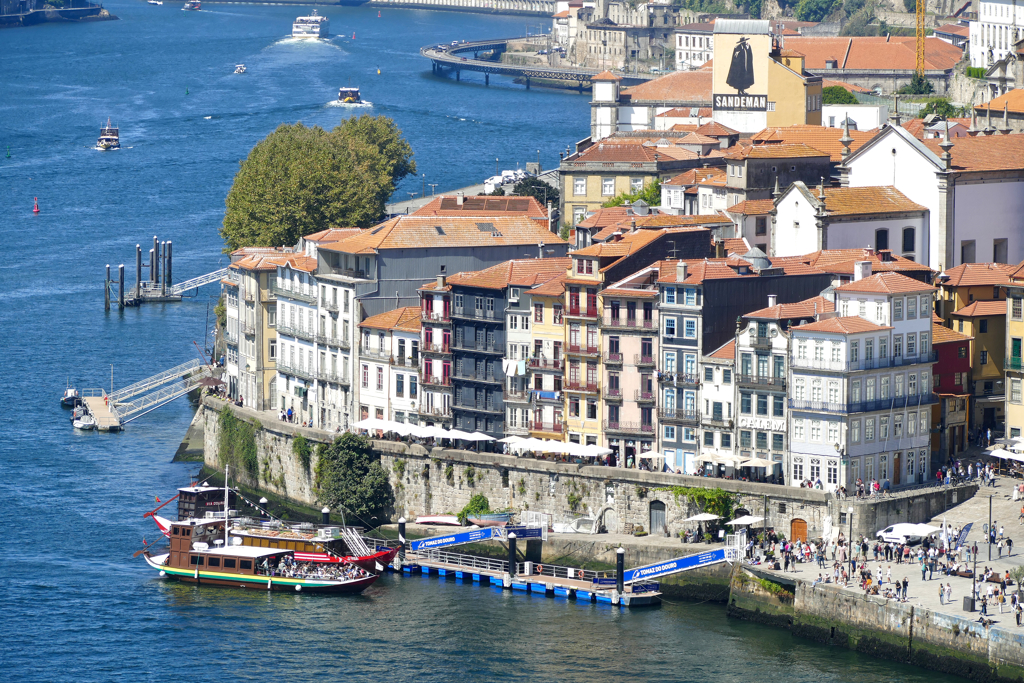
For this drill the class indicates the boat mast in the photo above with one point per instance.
(227, 539)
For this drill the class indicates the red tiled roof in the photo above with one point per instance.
(851, 87)
(446, 232)
(301, 262)
(752, 207)
(943, 335)
(851, 324)
(801, 309)
(483, 206)
(818, 137)
(605, 76)
(859, 201)
(916, 127)
(683, 223)
(332, 234)
(841, 261)
(517, 272)
(681, 86)
(259, 262)
(699, 270)
(1012, 100)
(726, 351)
(886, 283)
(871, 52)
(954, 29)
(715, 129)
(735, 245)
(406, 319)
(978, 274)
(981, 308)
(776, 151)
(695, 175)
(984, 152)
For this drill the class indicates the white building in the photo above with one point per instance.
(694, 45)
(861, 387)
(296, 291)
(718, 447)
(389, 357)
(974, 194)
(861, 116)
(996, 30)
(876, 217)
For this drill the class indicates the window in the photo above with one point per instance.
(636, 184)
(365, 376)
(778, 442)
(908, 240)
(798, 391)
(670, 361)
(1017, 308)
(412, 386)
(984, 358)
(538, 313)
(670, 295)
(911, 307)
(690, 328)
(670, 327)
(579, 186)
(778, 406)
(608, 186)
(272, 349)
(798, 430)
(669, 432)
(855, 431)
(983, 325)
(869, 429)
(690, 296)
(815, 430)
(760, 225)
(798, 470)
(709, 374)
(1015, 393)
(726, 376)
(883, 428)
(833, 432)
(380, 378)
(745, 404)
(709, 438)
(400, 385)
(726, 439)
(762, 441)
(745, 438)
(881, 239)
(897, 309)
(762, 404)
(911, 344)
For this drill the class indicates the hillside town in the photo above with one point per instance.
(807, 305)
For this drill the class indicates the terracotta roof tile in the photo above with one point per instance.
(1013, 100)
(699, 270)
(629, 243)
(776, 151)
(982, 308)
(483, 207)
(818, 137)
(301, 262)
(680, 223)
(954, 29)
(690, 87)
(332, 234)
(851, 324)
(698, 139)
(517, 272)
(715, 129)
(553, 287)
(606, 76)
(858, 201)
(984, 152)
(446, 232)
(886, 283)
(881, 52)
(801, 309)
(752, 207)
(917, 127)
(841, 261)
(975, 274)
(259, 262)
(851, 87)
(943, 335)
(695, 175)
(735, 245)
(406, 319)
(726, 351)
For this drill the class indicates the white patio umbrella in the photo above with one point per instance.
(512, 439)
(479, 436)
(702, 517)
(459, 434)
(594, 451)
(403, 428)
(757, 462)
(745, 519)
(370, 423)
(433, 431)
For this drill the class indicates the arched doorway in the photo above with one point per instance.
(657, 517)
(798, 530)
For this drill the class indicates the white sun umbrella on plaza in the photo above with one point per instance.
(595, 451)
(479, 436)
(757, 462)
(458, 434)
(433, 431)
(745, 519)
(371, 423)
(512, 439)
(702, 517)
(404, 428)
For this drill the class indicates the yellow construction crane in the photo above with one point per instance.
(920, 38)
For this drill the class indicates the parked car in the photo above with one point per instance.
(906, 533)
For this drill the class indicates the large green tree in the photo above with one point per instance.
(301, 180)
(837, 94)
(536, 188)
(349, 477)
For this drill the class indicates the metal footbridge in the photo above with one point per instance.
(454, 58)
(112, 411)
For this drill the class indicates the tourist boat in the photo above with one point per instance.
(493, 519)
(71, 397)
(155, 2)
(443, 520)
(85, 422)
(349, 95)
(313, 26)
(239, 68)
(320, 543)
(193, 5)
(109, 138)
(205, 552)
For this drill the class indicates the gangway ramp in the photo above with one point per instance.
(156, 380)
(197, 282)
(114, 410)
(476, 535)
(680, 564)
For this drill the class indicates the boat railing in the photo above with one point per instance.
(501, 566)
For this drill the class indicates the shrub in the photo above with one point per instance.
(478, 504)
(302, 450)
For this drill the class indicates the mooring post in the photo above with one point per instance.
(167, 267)
(401, 539)
(152, 265)
(487, 79)
(120, 286)
(163, 268)
(620, 566)
(154, 270)
(527, 83)
(106, 290)
(138, 270)
(512, 555)
(458, 75)
(325, 515)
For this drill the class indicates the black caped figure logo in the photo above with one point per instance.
(741, 70)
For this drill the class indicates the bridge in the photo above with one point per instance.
(542, 8)
(452, 57)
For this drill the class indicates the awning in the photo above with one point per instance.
(757, 462)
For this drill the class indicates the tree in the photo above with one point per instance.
(536, 188)
(910, 5)
(942, 107)
(919, 85)
(650, 194)
(813, 10)
(837, 94)
(301, 180)
(349, 476)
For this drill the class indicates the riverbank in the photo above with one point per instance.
(50, 16)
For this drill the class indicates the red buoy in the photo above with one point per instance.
(378, 14)
(353, 35)
(35, 208)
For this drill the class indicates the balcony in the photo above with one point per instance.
(482, 377)
(643, 361)
(1014, 364)
(490, 409)
(328, 376)
(286, 369)
(436, 412)
(437, 349)
(678, 415)
(546, 363)
(613, 358)
(551, 397)
(546, 427)
(294, 332)
(644, 396)
(331, 306)
(289, 294)
(578, 350)
(717, 421)
(483, 347)
(582, 387)
(638, 428)
(516, 430)
(400, 362)
(613, 394)
(761, 342)
(677, 378)
(584, 312)
(230, 338)
(376, 354)
(250, 295)
(474, 314)
(817, 406)
(517, 395)
(629, 323)
(434, 381)
(861, 364)
(433, 317)
(247, 328)
(762, 381)
(892, 403)
(267, 296)
(354, 273)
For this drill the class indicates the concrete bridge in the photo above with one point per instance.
(544, 8)
(466, 57)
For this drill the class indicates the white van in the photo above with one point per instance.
(906, 533)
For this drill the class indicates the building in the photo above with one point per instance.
(614, 109)
(716, 438)
(1007, 110)
(878, 217)
(694, 45)
(680, 194)
(298, 324)
(860, 385)
(951, 374)
(750, 220)
(961, 286)
(983, 173)
(996, 31)
(985, 322)
(436, 353)
(857, 116)
(755, 172)
(822, 138)
(389, 359)
(1014, 363)
(536, 399)
(957, 35)
(841, 264)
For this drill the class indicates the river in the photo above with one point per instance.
(76, 605)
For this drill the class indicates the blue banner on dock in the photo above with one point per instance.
(524, 531)
(597, 581)
(451, 539)
(680, 564)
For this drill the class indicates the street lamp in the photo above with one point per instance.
(495, 165)
(849, 540)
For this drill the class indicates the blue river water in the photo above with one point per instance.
(75, 604)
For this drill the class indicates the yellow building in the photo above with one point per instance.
(542, 407)
(1014, 361)
(970, 282)
(986, 322)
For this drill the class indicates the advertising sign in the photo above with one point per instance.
(740, 66)
(673, 566)
(451, 539)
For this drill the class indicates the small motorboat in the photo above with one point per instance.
(110, 137)
(71, 397)
(85, 423)
(239, 68)
(155, 2)
(493, 519)
(441, 520)
(349, 95)
(193, 5)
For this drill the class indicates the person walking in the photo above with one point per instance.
(984, 607)
(924, 571)
(949, 594)
(1018, 614)
(906, 584)
(942, 594)
(1009, 547)
(999, 547)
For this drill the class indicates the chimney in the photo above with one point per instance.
(616, 236)
(459, 198)
(773, 299)
(552, 221)
(540, 250)
(441, 281)
(632, 225)
(861, 270)
(680, 271)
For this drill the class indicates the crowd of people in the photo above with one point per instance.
(288, 567)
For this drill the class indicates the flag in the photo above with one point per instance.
(157, 498)
(379, 566)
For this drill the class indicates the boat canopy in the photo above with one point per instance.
(247, 551)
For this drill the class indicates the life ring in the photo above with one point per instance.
(540, 569)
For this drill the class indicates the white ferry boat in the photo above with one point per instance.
(313, 26)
